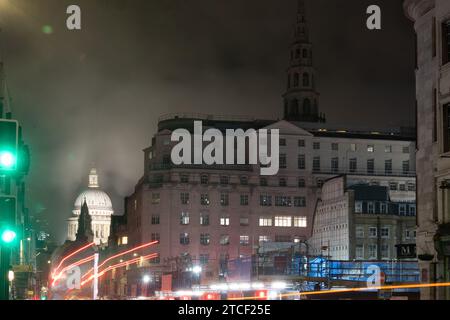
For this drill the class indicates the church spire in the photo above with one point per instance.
(84, 231)
(301, 97)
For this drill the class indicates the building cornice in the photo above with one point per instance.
(414, 9)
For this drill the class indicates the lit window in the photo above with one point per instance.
(244, 240)
(184, 238)
(205, 239)
(370, 148)
(204, 219)
(224, 221)
(265, 200)
(388, 149)
(300, 222)
(204, 199)
(124, 240)
(265, 222)
(281, 221)
(264, 239)
(184, 218)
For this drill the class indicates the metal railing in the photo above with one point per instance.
(169, 166)
(202, 116)
(391, 173)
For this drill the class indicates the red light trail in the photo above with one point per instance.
(121, 254)
(79, 262)
(71, 255)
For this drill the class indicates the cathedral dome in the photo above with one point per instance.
(97, 200)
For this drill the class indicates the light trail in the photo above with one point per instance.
(121, 254)
(119, 265)
(307, 293)
(69, 256)
(79, 262)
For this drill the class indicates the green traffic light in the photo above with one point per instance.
(8, 236)
(7, 159)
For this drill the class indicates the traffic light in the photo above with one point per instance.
(8, 230)
(9, 132)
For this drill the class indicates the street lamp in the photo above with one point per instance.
(197, 270)
(146, 278)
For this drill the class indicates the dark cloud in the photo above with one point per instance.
(94, 96)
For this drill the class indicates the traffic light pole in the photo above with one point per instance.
(5, 257)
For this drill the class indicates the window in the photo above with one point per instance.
(393, 186)
(300, 222)
(283, 221)
(224, 240)
(244, 199)
(384, 251)
(263, 182)
(405, 166)
(184, 197)
(402, 187)
(359, 232)
(305, 53)
(405, 149)
(373, 232)
(353, 165)
(372, 251)
(282, 182)
(388, 149)
(282, 142)
(244, 180)
(244, 221)
(359, 252)
(155, 219)
(370, 207)
(282, 238)
(334, 146)
(283, 163)
(411, 186)
(224, 199)
(204, 199)
(412, 210)
(155, 198)
(244, 240)
(224, 180)
(204, 219)
(370, 166)
(265, 222)
(306, 79)
(316, 164)
(388, 166)
(402, 209)
(184, 238)
(204, 179)
(282, 201)
(205, 239)
(446, 42)
(446, 129)
(265, 200)
(384, 232)
(184, 178)
(154, 237)
(296, 79)
(316, 145)
(383, 208)
(410, 234)
(301, 163)
(204, 259)
(301, 182)
(124, 240)
(353, 147)
(299, 202)
(184, 218)
(301, 143)
(263, 239)
(334, 165)
(370, 148)
(225, 221)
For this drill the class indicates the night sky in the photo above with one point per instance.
(93, 97)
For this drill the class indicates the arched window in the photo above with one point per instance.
(306, 106)
(294, 107)
(306, 79)
(296, 79)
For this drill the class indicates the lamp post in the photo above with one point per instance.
(197, 270)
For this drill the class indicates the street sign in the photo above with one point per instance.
(406, 251)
